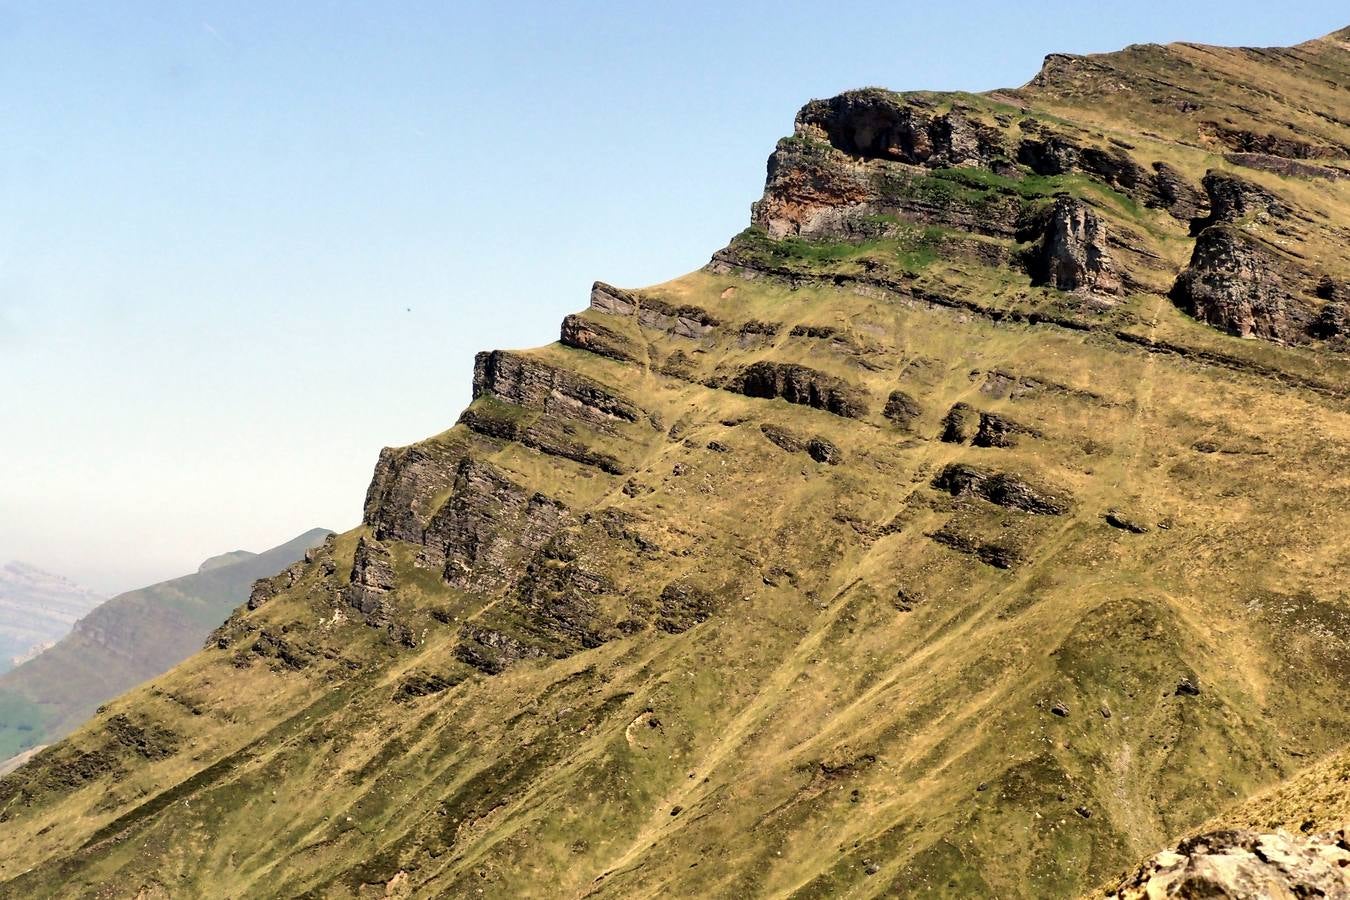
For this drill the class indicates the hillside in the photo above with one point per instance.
(974, 524)
(126, 640)
(36, 609)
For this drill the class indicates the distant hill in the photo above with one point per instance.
(37, 608)
(126, 640)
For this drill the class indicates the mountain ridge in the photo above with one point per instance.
(931, 540)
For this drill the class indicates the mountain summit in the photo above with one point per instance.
(974, 524)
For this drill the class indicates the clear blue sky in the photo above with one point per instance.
(243, 245)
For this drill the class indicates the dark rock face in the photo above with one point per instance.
(1235, 283)
(403, 488)
(901, 408)
(960, 424)
(756, 333)
(492, 652)
(536, 385)
(782, 438)
(1071, 254)
(689, 322)
(1333, 319)
(1177, 195)
(265, 589)
(1332, 322)
(1282, 165)
(1049, 153)
(874, 124)
(486, 530)
(682, 606)
(1241, 140)
(547, 436)
(1117, 519)
(423, 684)
(822, 451)
(1232, 198)
(1003, 489)
(999, 554)
(581, 334)
(557, 598)
(372, 578)
(1000, 431)
(799, 384)
(1236, 865)
(867, 153)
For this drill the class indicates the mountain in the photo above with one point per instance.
(37, 608)
(973, 525)
(126, 640)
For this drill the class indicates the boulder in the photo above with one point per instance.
(1244, 865)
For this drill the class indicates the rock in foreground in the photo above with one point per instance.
(1244, 865)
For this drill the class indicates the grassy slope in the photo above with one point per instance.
(810, 739)
(125, 640)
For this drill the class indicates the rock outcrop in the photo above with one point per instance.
(1071, 253)
(686, 321)
(487, 529)
(1244, 865)
(799, 384)
(371, 579)
(1236, 283)
(1232, 199)
(1003, 489)
(534, 384)
(813, 642)
(583, 334)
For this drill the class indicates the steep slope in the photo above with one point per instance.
(37, 608)
(970, 526)
(126, 640)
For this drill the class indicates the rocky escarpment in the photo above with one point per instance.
(548, 389)
(685, 321)
(1240, 281)
(1238, 284)
(917, 546)
(865, 155)
(1237, 865)
(799, 384)
(1071, 253)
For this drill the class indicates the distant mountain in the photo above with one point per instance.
(130, 638)
(37, 609)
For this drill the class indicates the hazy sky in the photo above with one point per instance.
(245, 245)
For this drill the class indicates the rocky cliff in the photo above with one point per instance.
(971, 525)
